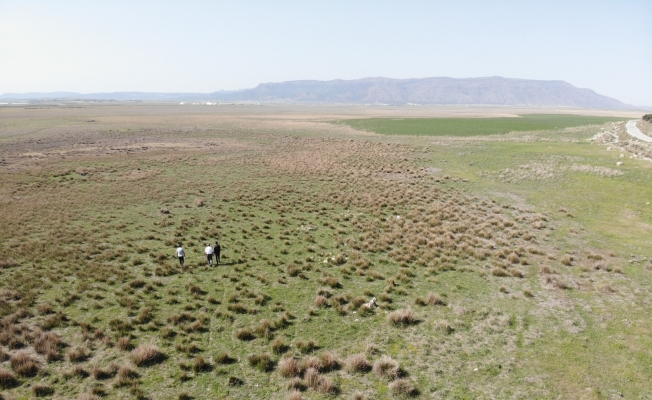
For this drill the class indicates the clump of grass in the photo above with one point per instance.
(295, 395)
(288, 367)
(401, 317)
(263, 329)
(386, 367)
(244, 334)
(147, 354)
(435, 300)
(41, 390)
(77, 354)
(23, 364)
(123, 343)
(311, 377)
(279, 346)
(403, 387)
(326, 386)
(201, 365)
(567, 260)
(358, 363)
(7, 379)
(321, 301)
(224, 358)
(234, 381)
(328, 362)
(104, 373)
(262, 362)
(306, 346)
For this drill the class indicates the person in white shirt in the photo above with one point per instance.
(181, 254)
(209, 254)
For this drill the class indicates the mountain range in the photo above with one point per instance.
(420, 91)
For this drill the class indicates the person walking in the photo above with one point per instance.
(217, 250)
(181, 254)
(209, 254)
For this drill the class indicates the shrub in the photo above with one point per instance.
(147, 354)
(401, 317)
(7, 379)
(403, 387)
(23, 364)
(262, 362)
(386, 367)
(647, 117)
(357, 363)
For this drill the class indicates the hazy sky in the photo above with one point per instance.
(203, 46)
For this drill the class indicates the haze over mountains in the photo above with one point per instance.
(422, 91)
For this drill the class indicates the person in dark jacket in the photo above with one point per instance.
(216, 251)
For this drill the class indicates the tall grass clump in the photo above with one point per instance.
(147, 354)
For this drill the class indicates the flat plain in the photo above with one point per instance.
(505, 264)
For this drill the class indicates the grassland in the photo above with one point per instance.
(474, 126)
(504, 266)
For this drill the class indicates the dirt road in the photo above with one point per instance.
(633, 130)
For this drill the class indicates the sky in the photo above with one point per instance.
(205, 46)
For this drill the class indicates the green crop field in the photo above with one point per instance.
(473, 126)
(512, 268)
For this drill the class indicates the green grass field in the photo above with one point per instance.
(517, 268)
(473, 126)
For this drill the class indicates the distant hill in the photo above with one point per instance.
(468, 91)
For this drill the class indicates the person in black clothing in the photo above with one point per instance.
(216, 251)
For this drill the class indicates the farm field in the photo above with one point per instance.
(472, 127)
(506, 261)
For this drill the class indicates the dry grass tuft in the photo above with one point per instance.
(23, 364)
(358, 363)
(295, 395)
(401, 317)
(41, 390)
(7, 379)
(224, 358)
(435, 300)
(386, 367)
(147, 354)
(403, 387)
(123, 343)
(328, 362)
(77, 354)
(288, 367)
(311, 377)
(262, 362)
